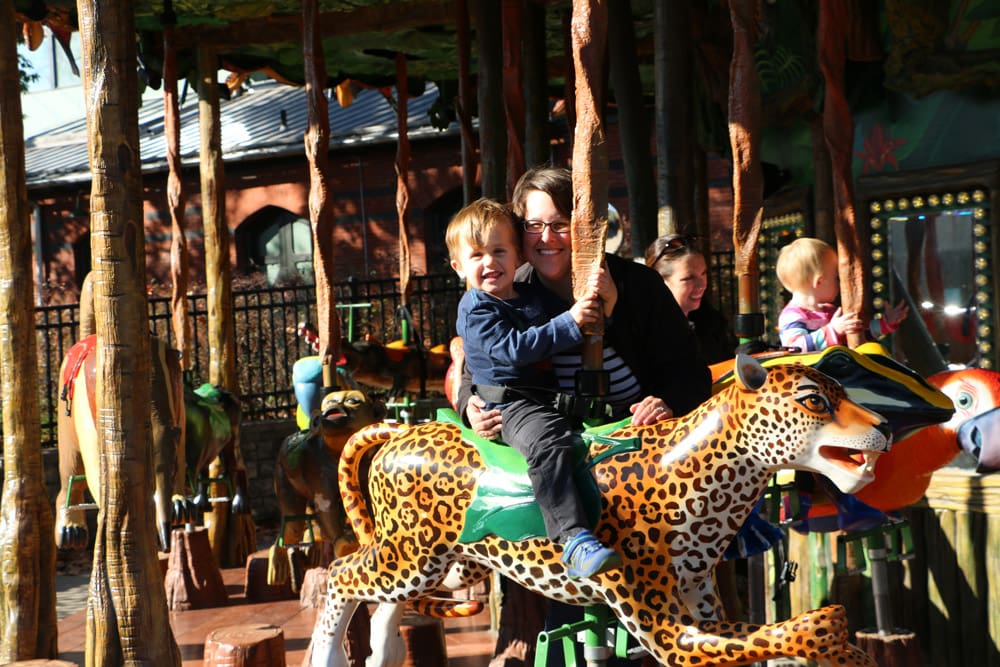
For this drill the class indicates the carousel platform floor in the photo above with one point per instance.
(469, 642)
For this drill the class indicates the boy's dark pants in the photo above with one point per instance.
(549, 442)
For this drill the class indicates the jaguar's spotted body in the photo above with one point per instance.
(670, 509)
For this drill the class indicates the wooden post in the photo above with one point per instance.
(748, 198)
(320, 207)
(744, 138)
(402, 181)
(231, 537)
(590, 159)
(221, 340)
(176, 201)
(838, 128)
(27, 580)
(633, 126)
(492, 135)
(674, 115)
(126, 611)
(513, 91)
(535, 80)
(463, 102)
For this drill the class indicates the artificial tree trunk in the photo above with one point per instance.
(127, 618)
(402, 181)
(633, 125)
(492, 135)
(231, 535)
(674, 116)
(463, 102)
(222, 362)
(535, 81)
(588, 29)
(27, 580)
(320, 207)
(744, 139)
(838, 128)
(179, 257)
(513, 91)
(522, 612)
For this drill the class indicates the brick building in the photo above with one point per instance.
(267, 186)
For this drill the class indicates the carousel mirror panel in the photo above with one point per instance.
(932, 250)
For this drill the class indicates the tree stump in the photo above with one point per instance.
(424, 639)
(245, 646)
(193, 579)
(312, 595)
(901, 648)
(255, 581)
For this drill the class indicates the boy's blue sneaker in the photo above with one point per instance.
(586, 556)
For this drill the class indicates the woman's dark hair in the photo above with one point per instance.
(664, 251)
(556, 182)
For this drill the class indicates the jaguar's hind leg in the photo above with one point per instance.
(327, 648)
(388, 648)
(375, 574)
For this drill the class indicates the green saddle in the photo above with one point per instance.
(504, 504)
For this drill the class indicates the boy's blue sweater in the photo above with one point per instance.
(510, 343)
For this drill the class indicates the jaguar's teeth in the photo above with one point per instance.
(868, 467)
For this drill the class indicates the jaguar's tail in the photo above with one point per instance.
(446, 607)
(349, 474)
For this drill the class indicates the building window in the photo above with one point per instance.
(279, 243)
(51, 63)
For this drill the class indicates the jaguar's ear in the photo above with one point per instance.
(750, 375)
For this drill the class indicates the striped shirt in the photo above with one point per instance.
(810, 330)
(624, 389)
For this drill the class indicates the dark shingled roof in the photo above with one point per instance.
(268, 120)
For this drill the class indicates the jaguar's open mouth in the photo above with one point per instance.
(860, 462)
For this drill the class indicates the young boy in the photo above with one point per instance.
(509, 336)
(808, 269)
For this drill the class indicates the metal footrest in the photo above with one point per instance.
(70, 481)
(82, 506)
(308, 518)
(895, 536)
(599, 632)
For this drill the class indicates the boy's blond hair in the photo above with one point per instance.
(800, 261)
(473, 224)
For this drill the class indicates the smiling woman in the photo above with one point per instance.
(684, 271)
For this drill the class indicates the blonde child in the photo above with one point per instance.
(510, 331)
(810, 321)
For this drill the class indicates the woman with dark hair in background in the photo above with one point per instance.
(685, 272)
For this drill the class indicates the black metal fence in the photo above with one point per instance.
(267, 342)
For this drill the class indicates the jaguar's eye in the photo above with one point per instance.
(814, 403)
(965, 400)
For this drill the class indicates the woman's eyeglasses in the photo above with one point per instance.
(538, 226)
